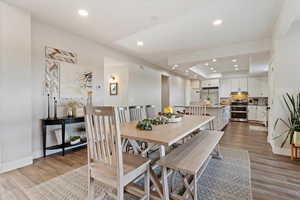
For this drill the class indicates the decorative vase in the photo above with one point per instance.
(296, 139)
(48, 106)
(55, 108)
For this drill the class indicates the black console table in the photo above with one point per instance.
(62, 122)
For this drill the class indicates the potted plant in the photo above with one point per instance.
(293, 122)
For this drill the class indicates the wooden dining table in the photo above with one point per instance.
(163, 135)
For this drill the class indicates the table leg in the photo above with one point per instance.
(164, 175)
(63, 127)
(44, 127)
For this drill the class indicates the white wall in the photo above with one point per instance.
(122, 75)
(22, 62)
(177, 91)
(144, 86)
(15, 87)
(90, 55)
(285, 78)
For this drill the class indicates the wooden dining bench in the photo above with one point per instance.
(191, 159)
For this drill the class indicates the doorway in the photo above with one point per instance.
(165, 92)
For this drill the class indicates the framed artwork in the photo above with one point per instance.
(60, 55)
(52, 78)
(113, 89)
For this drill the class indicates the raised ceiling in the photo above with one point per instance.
(167, 28)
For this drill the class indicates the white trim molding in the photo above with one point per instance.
(11, 165)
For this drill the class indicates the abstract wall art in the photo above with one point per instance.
(52, 78)
(60, 55)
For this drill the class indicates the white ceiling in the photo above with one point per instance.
(167, 28)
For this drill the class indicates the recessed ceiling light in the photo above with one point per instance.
(186, 71)
(217, 22)
(215, 71)
(140, 43)
(234, 60)
(176, 65)
(173, 68)
(236, 65)
(236, 69)
(214, 60)
(211, 68)
(206, 64)
(83, 13)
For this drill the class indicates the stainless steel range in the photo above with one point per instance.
(239, 106)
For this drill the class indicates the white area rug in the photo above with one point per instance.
(227, 179)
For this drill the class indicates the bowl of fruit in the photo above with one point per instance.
(172, 117)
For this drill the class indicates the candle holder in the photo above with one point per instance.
(48, 96)
(55, 108)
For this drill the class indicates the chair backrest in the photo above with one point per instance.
(104, 137)
(197, 110)
(123, 114)
(136, 113)
(150, 111)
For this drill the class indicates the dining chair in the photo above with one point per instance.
(136, 113)
(150, 111)
(199, 110)
(123, 114)
(106, 162)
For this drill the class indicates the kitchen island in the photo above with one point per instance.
(221, 112)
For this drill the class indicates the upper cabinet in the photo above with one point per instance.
(258, 86)
(210, 83)
(239, 84)
(225, 88)
(233, 85)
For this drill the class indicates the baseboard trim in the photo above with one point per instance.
(39, 154)
(8, 166)
(281, 151)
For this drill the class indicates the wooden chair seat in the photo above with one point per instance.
(132, 166)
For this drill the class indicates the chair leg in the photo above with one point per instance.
(120, 192)
(147, 183)
(195, 187)
(91, 187)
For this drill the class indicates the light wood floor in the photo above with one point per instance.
(273, 177)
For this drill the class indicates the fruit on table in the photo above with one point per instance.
(168, 109)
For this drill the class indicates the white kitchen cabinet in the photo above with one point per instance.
(243, 84)
(252, 112)
(225, 88)
(235, 85)
(257, 113)
(210, 83)
(258, 86)
(239, 84)
(262, 114)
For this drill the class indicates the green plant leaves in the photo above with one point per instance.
(293, 122)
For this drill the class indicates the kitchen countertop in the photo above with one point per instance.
(256, 105)
(216, 106)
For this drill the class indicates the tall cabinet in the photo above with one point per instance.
(258, 86)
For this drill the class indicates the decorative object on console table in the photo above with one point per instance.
(48, 105)
(55, 108)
